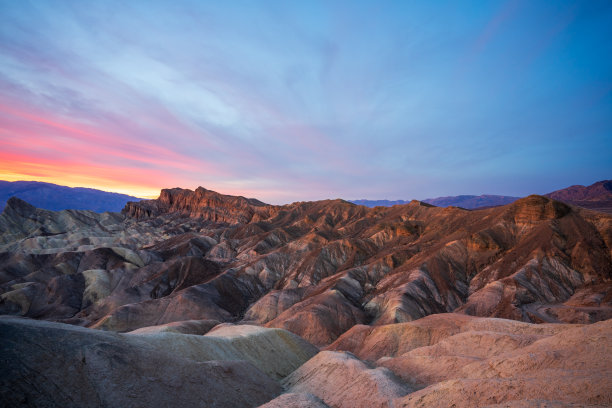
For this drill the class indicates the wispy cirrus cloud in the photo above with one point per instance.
(288, 101)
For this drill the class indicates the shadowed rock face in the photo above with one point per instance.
(602, 190)
(314, 268)
(49, 365)
(597, 196)
(53, 197)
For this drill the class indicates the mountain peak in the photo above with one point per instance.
(19, 206)
(602, 190)
(201, 203)
(536, 208)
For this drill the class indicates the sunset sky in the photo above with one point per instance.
(304, 100)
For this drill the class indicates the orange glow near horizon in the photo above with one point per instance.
(16, 168)
(87, 182)
(67, 154)
(43, 146)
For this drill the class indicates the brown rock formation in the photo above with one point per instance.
(458, 360)
(341, 380)
(201, 203)
(571, 367)
(314, 268)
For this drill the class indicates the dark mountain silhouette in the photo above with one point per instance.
(379, 203)
(597, 196)
(55, 197)
(469, 202)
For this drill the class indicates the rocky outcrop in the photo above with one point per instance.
(320, 319)
(340, 379)
(201, 203)
(571, 367)
(392, 340)
(21, 220)
(458, 360)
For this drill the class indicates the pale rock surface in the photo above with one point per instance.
(374, 342)
(442, 361)
(276, 352)
(293, 400)
(198, 327)
(340, 379)
(552, 364)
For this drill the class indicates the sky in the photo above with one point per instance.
(304, 100)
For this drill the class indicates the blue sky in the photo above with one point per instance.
(288, 101)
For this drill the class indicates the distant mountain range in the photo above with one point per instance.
(597, 196)
(464, 201)
(471, 201)
(379, 203)
(54, 197)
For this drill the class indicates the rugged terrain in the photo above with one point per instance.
(597, 196)
(409, 290)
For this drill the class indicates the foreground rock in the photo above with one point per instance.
(340, 379)
(198, 327)
(292, 400)
(52, 364)
(375, 342)
(459, 360)
(276, 352)
(438, 361)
